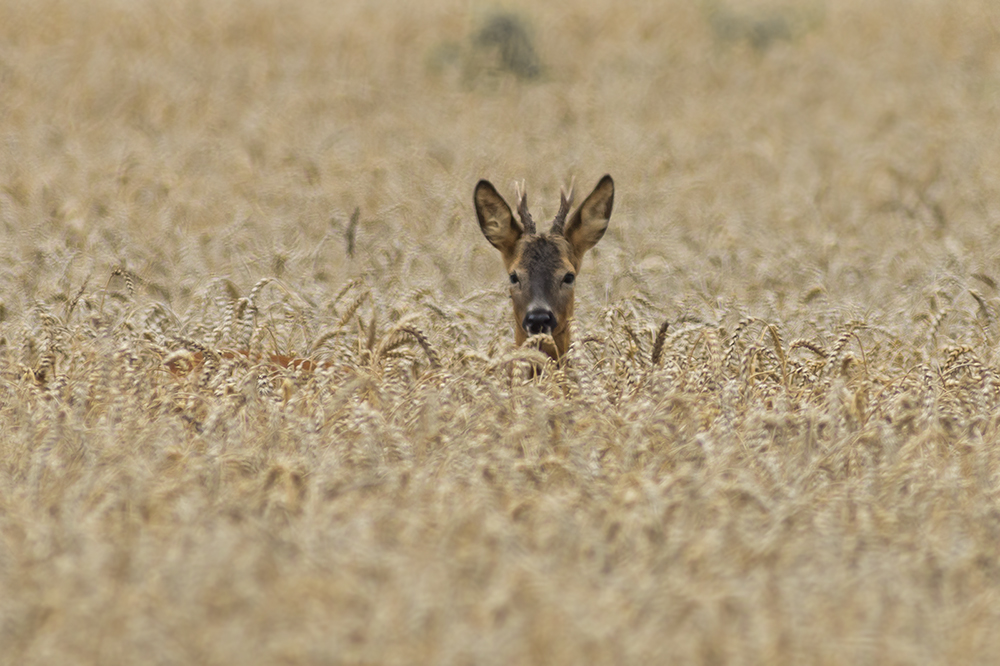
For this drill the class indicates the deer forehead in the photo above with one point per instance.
(543, 255)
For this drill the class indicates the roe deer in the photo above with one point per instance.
(543, 267)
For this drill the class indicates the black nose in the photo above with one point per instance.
(539, 321)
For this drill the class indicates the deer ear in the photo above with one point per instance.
(589, 222)
(495, 218)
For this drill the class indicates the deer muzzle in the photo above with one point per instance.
(539, 320)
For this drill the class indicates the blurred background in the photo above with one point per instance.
(800, 146)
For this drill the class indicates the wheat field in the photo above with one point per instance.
(259, 398)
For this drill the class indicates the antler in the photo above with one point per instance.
(522, 208)
(565, 201)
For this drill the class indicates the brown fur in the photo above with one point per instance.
(540, 263)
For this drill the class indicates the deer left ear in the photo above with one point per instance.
(495, 218)
(589, 222)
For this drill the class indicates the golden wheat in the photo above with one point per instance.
(259, 401)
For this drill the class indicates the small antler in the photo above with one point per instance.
(565, 201)
(522, 208)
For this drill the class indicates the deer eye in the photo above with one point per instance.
(569, 278)
(513, 278)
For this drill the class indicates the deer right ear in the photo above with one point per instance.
(495, 218)
(587, 225)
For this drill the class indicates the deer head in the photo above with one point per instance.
(543, 267)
